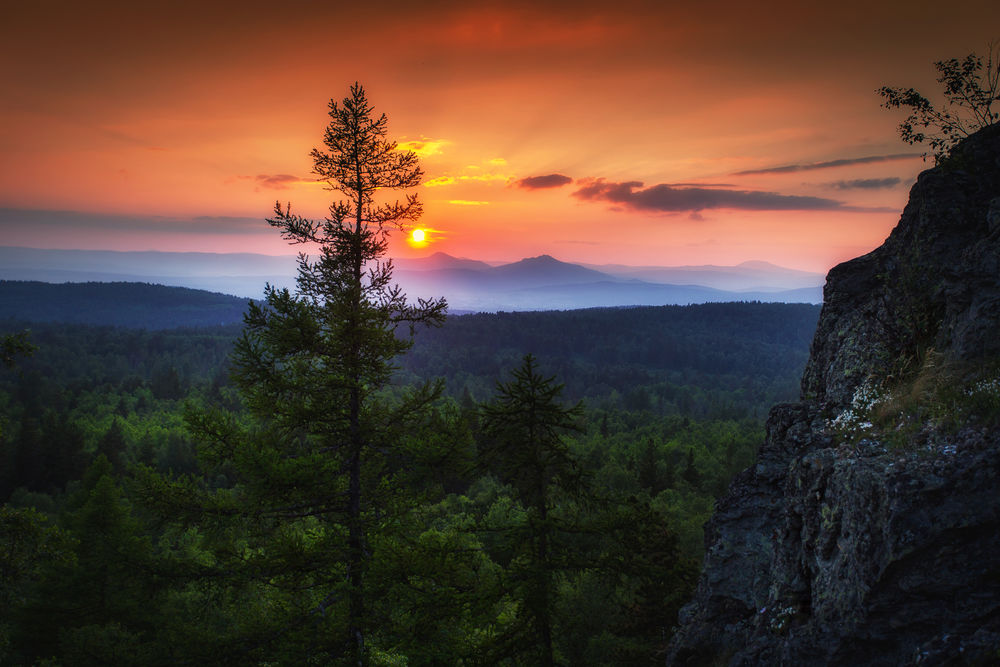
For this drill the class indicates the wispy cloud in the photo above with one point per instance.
(59, 221)
(701, 185)
(451, 180)
(485, 178)
(666, 198)
(867, 183)
(845, 162)
(439, 181)
(467, 202)
(277, 181)
(542, 182)
(423, 147)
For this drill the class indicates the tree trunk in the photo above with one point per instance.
(544, 617)
(356, 533)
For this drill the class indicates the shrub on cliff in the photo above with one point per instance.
(970, 89)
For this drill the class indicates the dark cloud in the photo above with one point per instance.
(867, 183)
(788, 168)
(541, 182)
(276, 181)
(701, 185)
(669, 199)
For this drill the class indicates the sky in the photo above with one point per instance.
(665, 133)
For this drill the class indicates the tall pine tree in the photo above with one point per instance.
(325, 472)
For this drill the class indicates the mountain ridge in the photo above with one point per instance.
(128, 304)
(468, 284)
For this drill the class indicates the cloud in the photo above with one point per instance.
(867, 183)
(277, 181)
(468, 202)
(423, 147)
(451, 180)
(670, 199)
(701, 185)
(58, 222)
(497, 162)
(546, 181)
(486, 178)
(789, 168)
(439, 181)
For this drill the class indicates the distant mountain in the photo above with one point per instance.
(546, 270)
(542, 282)
(242, 274)
(133, 305)
(752, 275)
(440, 261)
(545, 283)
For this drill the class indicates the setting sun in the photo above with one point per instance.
(418, 238)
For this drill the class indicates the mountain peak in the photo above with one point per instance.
(542, 259)
(438, 261)
(759, 264)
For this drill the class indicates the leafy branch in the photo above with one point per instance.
(971, 86)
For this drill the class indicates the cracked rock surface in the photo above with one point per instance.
(839, 552)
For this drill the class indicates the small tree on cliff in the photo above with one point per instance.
(971, 87)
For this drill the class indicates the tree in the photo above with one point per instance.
(98, 599)
(113, 445)
(648, 470)
(328, 466)
(13, 346)
(691, 474)
(970, 89)
(28, 545)
(523, 446)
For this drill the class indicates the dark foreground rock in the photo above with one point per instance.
(842, 551)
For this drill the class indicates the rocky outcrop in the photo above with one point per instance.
(846, 550)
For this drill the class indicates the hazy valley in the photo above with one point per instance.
(537, 283)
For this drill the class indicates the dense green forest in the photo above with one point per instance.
(716, 361)
(120, 304)
(673, 406)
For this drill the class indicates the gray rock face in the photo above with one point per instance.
(840, 552)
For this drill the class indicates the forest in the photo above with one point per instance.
(96, 564)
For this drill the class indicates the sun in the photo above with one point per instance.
(421, 237)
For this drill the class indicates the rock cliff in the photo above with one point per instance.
(868, 532)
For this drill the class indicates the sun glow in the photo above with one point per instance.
(418, 238)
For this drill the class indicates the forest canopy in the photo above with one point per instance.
(670, 414)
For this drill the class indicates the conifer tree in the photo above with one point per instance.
(327, 468)
(523, 446)
(100, 602)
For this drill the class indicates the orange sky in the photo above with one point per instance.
(176, 125)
